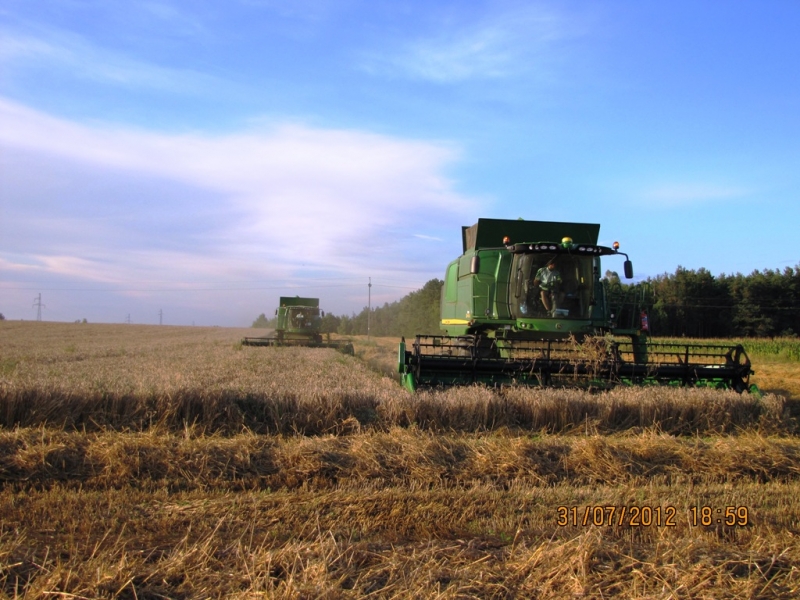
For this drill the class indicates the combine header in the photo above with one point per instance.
(525, 304)
(299, 323)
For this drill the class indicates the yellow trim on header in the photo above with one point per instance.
(455, 322)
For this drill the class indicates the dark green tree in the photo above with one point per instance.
(685, 303)
(416, 313)
(330, 323)
(697, 304)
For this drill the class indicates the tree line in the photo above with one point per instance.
(415, 313)
(685, 303)
(697, 304)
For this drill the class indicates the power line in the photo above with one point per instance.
(761, 306)
(397, 287)
(190, 289)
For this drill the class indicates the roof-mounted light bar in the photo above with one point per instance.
(584, 249)
(567, 246)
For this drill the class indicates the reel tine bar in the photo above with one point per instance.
(446, 360)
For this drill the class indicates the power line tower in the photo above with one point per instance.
(128, 319)
(37, 302)
(160, 316)
(369, 305)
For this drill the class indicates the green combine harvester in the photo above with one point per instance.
(299, 324)
(525, 304)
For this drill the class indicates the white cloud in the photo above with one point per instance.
(270, 203)
(495, 47)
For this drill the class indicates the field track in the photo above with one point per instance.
(170, 462)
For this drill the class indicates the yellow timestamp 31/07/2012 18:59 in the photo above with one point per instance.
(650, 516)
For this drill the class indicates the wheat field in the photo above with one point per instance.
(169, 462)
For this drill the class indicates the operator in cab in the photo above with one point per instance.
(549, 281)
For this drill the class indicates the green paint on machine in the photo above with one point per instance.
(525, 304)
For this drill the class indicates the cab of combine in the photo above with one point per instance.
(298, 319)
(525, 279)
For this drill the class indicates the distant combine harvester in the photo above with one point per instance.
(299, 324)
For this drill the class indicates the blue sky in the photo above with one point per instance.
(202, 158)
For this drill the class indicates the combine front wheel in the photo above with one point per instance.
(740, 362)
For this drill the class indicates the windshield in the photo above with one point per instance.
(551, 286)
(300, 317)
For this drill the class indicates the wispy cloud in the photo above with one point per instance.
(494, 47)
(306, 10)
(255, 205)
(684, 194)
(180, 20)
(73, 56)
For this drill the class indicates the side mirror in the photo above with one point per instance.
(628, 266)
(475, 265)
(276, 312)
(323, 313)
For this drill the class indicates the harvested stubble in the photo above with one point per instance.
(167, 463)
(31, 458)
(393, 542)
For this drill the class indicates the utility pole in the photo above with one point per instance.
(160, 316)
(369, 305)
(37, 302)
